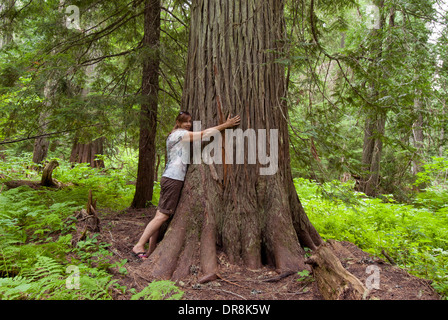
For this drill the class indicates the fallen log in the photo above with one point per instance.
(333, 280)
(46, 179)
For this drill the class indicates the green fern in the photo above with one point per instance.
(47, 280)
(159, 290)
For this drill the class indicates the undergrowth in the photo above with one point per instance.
(38, 260)
(414, 235)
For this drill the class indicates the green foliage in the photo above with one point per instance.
(435, 172)
(413, 235)
(434, 178)
(303, 275)
(49, 279)
(110, 189)
(159, 290)
(35, 236)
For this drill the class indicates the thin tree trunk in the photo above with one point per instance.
(40, 149)
(417, 134)
(42, 144)
(148, 114)
(371, 154)
(442, 131)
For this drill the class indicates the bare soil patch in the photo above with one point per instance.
(123, 229)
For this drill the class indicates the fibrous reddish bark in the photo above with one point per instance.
(255, 219)
(87, 152)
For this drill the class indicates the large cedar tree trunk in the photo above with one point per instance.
(148, 114)
(255, 219)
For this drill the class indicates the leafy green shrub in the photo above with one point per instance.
(110, 188)
(35, 235)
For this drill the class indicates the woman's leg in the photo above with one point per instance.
(152, 243)
(151, 229)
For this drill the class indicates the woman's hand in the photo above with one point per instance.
(196, 136)
(232, 122)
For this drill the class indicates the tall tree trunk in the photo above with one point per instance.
(7, 11)
(442, 131)
(371, 154)
(42, 144)
(375, 121)
(87, 152)
(417, 134)
(148, 114)
(255, 219)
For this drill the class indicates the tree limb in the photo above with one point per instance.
(6, 141)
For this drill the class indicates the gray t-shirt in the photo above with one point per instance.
(177, 154)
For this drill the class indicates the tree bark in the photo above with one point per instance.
(375, 122)
(47, 174)
(333, 280)
(418, 137)
(42, 143)
(255, 219)
(87, 152)
(40, 149)
(148, 114)
(371, 154)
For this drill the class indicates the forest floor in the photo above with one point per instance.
(123, 229)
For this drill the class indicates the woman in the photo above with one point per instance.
(173, 177)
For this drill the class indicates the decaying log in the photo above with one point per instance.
(18, 183)
(333, 280)
(46, 179)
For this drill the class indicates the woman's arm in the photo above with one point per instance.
(194, 136)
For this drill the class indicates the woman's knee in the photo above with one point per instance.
(161, 216)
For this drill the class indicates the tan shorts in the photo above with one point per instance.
(170, 191)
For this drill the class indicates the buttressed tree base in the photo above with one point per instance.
(255, 219)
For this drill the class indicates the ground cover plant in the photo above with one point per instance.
(39, 260)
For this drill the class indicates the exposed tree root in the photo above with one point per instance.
(251, 234)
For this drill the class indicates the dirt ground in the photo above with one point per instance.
(122, 230)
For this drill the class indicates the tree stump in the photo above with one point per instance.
(47, 179)
(333, 280)
(89, 218)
